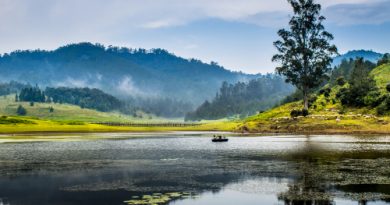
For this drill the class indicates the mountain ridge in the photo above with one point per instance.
(121, 71)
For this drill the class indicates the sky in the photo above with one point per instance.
(237, 34)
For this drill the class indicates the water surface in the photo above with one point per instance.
(112, 168)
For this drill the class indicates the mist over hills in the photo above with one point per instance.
(122, 72)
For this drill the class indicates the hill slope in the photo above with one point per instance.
(328, 114)
(119, 71)
(67, 112)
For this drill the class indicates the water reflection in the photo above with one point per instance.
(246, 170)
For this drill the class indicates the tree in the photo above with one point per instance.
(385, 59)
(362, 90)
(304, 50)
(21, 110)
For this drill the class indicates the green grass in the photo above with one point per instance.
(31, 125)
(323, 114)
(70, 118)
(381, 75)
(70, 113)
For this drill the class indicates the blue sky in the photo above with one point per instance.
(237, 34)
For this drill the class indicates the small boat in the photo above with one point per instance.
(219, 139)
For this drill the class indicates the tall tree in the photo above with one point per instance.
(305, 53)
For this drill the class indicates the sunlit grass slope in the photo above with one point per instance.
(381, 75)
(327, 115)
(17, 124)
(67, 112)
(70, 118)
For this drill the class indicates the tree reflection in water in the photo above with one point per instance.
(360, 175)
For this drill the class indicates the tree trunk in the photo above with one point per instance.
(305, 99)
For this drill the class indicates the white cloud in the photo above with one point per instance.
(375, 12)
(47, 24)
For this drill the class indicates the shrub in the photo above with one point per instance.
(373, 99)
(325, 91)
(388, 87)
(21, 110)
(31, 103)
(381, 109)
(384, 106)
(340, 81)
(305, 112)
(296, 113)
(51, 109)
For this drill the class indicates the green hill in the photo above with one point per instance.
(327, 112)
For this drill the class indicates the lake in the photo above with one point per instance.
(186, 168)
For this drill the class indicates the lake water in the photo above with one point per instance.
(114, 168)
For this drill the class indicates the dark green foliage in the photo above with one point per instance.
(362, 90)
(10, 120)
(311, 99)
(31, 103)
(295, 96)
(384, 107)
(32, 94)
(51, 109)
(325, 91)
(21, 110)
(340, 81)
(85, 98)
(344, 70)
(243, 98)
(305, 53)
(384, 60)
(297, 113)
(388, 87)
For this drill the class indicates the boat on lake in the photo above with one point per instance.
(219, 138)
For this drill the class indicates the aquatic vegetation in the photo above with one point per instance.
(158, 198)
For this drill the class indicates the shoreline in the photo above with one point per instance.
(147, 130)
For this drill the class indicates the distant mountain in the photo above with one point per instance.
(366, 54)
(122, 72)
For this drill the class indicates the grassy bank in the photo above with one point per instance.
(326, 120)
(31, 125)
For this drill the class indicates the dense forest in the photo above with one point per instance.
(31, 94)
(122, 72)
(243, 99)
(11, 87)
(84, 97)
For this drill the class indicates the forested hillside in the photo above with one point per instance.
(122, 72)
(243, 99)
